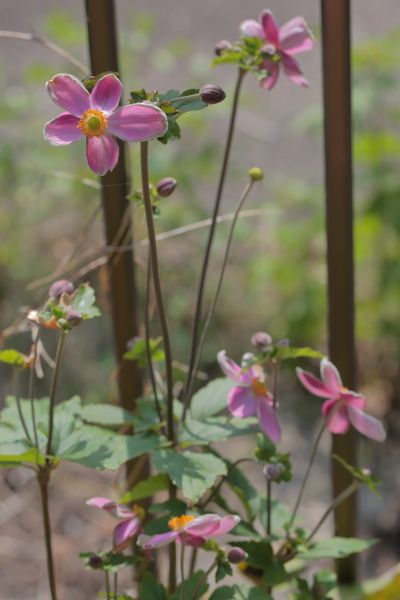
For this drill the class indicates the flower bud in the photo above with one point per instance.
(261, 340)
(221, 46)
(247, 359)
(73, 317)
(63, 286)
(95, 562)
(268, 50)
(166, 186)
(237, 555)
(212, 94)
(273, 471)
(256, 174)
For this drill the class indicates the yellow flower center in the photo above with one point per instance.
(344, 390)
(178, 523)
(259, 387)
(139, 511)
(93, 122)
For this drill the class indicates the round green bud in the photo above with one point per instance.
(256, 174)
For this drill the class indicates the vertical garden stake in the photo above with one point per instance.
(336, 39)
(114, 188)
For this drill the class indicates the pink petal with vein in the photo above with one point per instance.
(226, 524)
(102, 153)
(338, 420)
(313, 384)
(251, 28)
(203, 526)
(296, 37)
(270, 80)
(330, 376)
(229, 367)
(293, 71)
(242, 402)
(366, 424)
(138, 122)
(62, 130)
(271, 31)
(269, 421)
(124, 533)
(69, 93)
(157, 541)
(106, 93)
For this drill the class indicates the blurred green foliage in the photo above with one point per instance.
(276, 279)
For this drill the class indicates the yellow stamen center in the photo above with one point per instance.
(178, 523)
(259, 387)
(93, 122)
(139, 511)
(344, 390)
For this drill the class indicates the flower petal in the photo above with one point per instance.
(99, 502)
(242, 402)
(354, 399)
(102, 153)
(293, 71)
(271, 31)
(314, 385)
(270, 80)
(124, 533)
(338, 420)
(118, 511)
(250, 28)
(331, 377)
(269, 421)
(226, 525)
(69, 93)
(148, 542)
(138, 122)
(106, 93)
(295, 36)
(229, 367)
(366, 424)
(203, 526)
(62, 130)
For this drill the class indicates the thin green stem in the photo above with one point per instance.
(18, 402)
(269, 506)
(147, 338)
(193, 560)
(183, 99)
(144, 161)
(53, 389)
(115, 585)
(43, 480)
(211, 234)
(31, 390)
(183, 548)
(335, 503)
(310, 464)
(212, 308)
(107, 582)
(204, 579)
(216, 489)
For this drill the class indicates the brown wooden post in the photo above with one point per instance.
(117, 219)
(336, 44)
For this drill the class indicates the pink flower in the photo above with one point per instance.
(97, 117)
(250, 396)
(342, 407)
(280, 46)
(130, 525)
(191, 530)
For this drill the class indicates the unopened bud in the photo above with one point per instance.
(237, 555)
(63, 286)
(256, 174)
(366, 472)
(247, 359)
(268, 50)
(95, 561)
(261, 340)
(212, 94)
(221, 46)
(273, 471)
(166, 186)
(73, 317)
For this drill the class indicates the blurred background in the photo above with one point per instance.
(276, 280)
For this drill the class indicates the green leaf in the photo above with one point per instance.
(12, 357)
(224, 569)
(173, 132)
(261, 556)
(211, 399)
(106, 414)
(150, 589)
(362, 475)
(336, 547)
(239, 592)
(286, 353)
(190, 586)
(324, 581)
(83, 302)
(192, 472)
(216, 429)
(244, 490)
(146, 488)
(139, 351)
(18, 453)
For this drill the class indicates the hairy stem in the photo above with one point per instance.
(211, 310)
(53, 389)
(211, 234)
(43, 479)
(306, 476)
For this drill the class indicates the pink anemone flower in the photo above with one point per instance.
(130, 525)
(97, 117)
(190, 530)
(342, 407)
(250, 396)
(281, 45)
